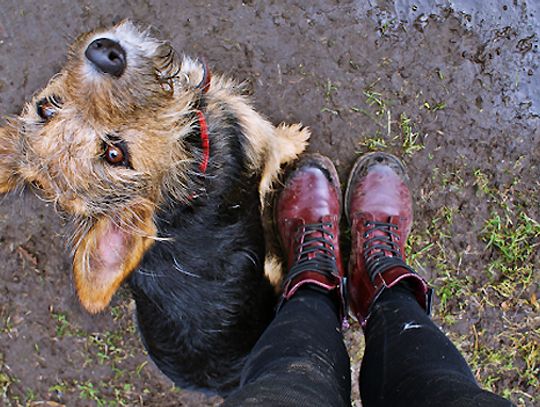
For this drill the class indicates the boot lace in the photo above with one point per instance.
(316, 240)
(381, 252)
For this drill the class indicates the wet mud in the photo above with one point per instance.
(451, 86)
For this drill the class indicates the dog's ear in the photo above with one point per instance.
(107, 254)
(9, 177)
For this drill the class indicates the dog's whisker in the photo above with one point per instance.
(252, 256)
(149, 273)
(179, 268)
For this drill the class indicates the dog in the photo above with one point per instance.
(164, 171)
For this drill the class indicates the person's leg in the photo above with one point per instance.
(408, 361)
(301, 360)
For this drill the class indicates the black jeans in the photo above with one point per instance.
(301, 360)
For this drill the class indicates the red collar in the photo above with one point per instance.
(205, 142)
(204, 86)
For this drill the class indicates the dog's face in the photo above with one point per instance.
(103, 141)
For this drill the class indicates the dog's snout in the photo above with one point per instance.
(107, 56)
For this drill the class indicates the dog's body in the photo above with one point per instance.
(163, 171)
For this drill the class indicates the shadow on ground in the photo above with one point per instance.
(451, 88)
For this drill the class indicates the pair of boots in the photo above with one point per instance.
(379, 212)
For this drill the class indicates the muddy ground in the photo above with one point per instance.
(452, 88)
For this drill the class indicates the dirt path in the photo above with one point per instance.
(454, 89)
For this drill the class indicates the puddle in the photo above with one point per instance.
(494, 21)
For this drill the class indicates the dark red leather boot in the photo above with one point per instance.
(307, 214)
(379, 210)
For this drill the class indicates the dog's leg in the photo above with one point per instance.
(289, 142)
(8, 158)
(273, 270)
(269, 148)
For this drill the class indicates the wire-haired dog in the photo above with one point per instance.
(164, 172)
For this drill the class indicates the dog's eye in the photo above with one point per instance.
(116, 154)
(48, 107)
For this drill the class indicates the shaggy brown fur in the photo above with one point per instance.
(58, 145)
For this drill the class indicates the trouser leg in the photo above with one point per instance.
(300, 360)
(409, 362)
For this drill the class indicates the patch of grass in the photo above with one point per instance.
(117, 312)
(59, 389)
(452, 179)
(119, 394)
(9, 386)
(527, 345)
(64, 328)
(29, 396)
(450, 285)
(422, 247)
(376, 99)
(108, 346)
(374, 143)
(448, 214)
(88, 391)
(514, 242)
(5, 383)
(429, 246)
(407, 139)
(331, 111)
(140, 368)
(387, 25)
(329, 89)
(482, 181)
(511, 240)
(410, 138)
(7, 325)
(440, 74)
(518, 356)
(102, 393)
(62, 324)
(433, 107)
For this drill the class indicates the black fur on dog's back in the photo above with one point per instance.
(202, 298)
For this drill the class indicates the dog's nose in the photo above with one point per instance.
(107, 56)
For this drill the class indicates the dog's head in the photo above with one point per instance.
(104, 142)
